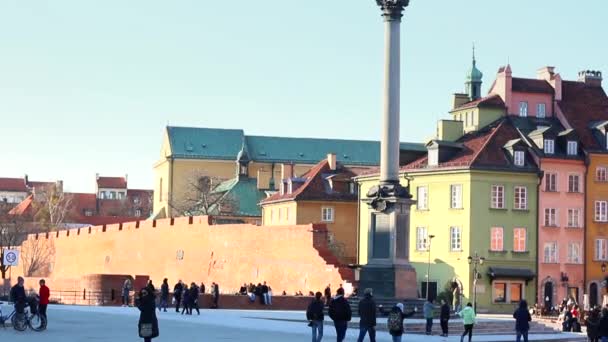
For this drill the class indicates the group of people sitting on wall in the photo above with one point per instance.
(261, 291)
(184, 296)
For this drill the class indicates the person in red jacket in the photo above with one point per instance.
(44, 294)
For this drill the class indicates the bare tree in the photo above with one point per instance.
(204, 195)
(36, 256)
(52, 206)
(13, 230)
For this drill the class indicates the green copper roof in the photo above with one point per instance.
(244, 193)
(225, 144)
(474, 75)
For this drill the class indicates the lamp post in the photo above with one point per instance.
(475, 260)
(428, 269)
(603, 267)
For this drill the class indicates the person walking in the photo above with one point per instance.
(428, 312)
(186, 300)
(394, 323)
(367, 312)
(315, 317)
(522, 321)
(444, 318)
(126, 288)
(164, 295)
(327, 295)
(194, 298)
(341, 314)
(148, 323)
(604, 325)
(44, 293)
(177, 294)
(593, 326)
(215, 292)
(468, 318)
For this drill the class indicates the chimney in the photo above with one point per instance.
(286, 171)
(331, 160)
(126, 178)
(59, 186)
(459, 99)
(545, 73)
(27, 180)
(97, 176)
(263, 179)
(449, 130)
(592, 78)
(503, 86)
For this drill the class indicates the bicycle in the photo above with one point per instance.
(29, 318)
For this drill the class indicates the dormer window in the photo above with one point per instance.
(523, 109)
(289, 187)
(352, 188)
(572, 148)
(518, 158)
(549, 146)
(433, 157)
(540, 110)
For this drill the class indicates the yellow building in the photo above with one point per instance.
(326, 194)
(189, 153)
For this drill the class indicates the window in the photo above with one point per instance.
(500, 292)
(160, 193)
(523, 108)
(600, 174)
(540, 110)
(136, 200)
(518, 158)
(88, 212)
(121, 195)
(433, 157)
(574, 218)
(112, 194)
(601, 211)
(514, 294)
(601, 249)
(572, 148)
(521, 198)
(455, 239)
(519, 240)
(496, 240)
(550, 217)
(289, 187)
(549, 146)
(327, 214)
(573, 183)
(352, 188)
(550, 253)
(272, 215)
(550, 182)
(287, 214)
(279, 211)
(421, 238)
(456, 195)
(574, 253)
(423, 198)
(498, 197)
(137, 212)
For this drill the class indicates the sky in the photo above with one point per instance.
(87, 87)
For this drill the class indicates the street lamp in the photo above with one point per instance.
(603, 267)
(428, 269)
(475, 260)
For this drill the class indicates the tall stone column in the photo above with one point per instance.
(388, 270)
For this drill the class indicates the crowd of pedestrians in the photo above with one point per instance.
(262, 291)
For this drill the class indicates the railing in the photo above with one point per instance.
(84, 297)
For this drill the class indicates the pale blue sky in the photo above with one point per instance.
(87, 86)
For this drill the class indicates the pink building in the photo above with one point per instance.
(531, 104)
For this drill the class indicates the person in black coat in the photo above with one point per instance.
(341, 314)
(215, 292)
(164, 295)
(397, 314)
(18, 296)
(522, 321)
(148, 323)
(315, 317)
(194, 299)
(444, 318)
(202, 288)
(327, 295)
(186, 301)
(593, 326)
(367, 312)
(177, 294)
(603, 332)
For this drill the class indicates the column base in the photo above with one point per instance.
(389, 281)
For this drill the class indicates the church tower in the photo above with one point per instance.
(473, 83)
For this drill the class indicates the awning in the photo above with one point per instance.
(514, 273)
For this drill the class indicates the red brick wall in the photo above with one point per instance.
(288, 258)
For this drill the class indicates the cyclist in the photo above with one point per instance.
(18, 296)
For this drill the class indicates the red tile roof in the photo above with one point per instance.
(530, 85)
(13, 184)
(23, 208)
(487, 101)
(112, 182)
(482, 148)
(315, 187)
(582, 104)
